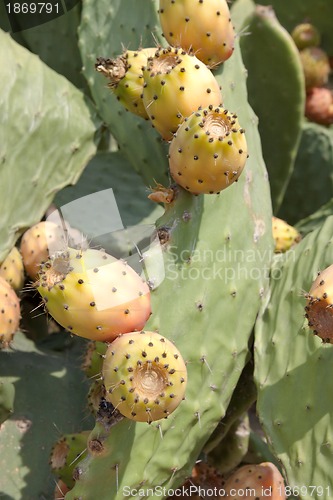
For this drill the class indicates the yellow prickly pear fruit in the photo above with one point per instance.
(93, 294)
(285, 236)
(199, 26)
(176, 84)
(316, 67)
(305, 35)
(9, 313)
(126, 78)
(38, 243)
(208, 152)
(319, 308)
(12, 269)
(144, 376)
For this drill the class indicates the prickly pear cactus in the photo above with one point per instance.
(292, 364)
(204, 281)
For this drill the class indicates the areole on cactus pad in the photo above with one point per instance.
(93, 294)
(209, 151)
(144, 376)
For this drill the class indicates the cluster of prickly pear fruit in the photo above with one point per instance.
(317, 69)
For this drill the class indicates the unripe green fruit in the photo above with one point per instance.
(176, 84)
(93, 294)
(9, 313)
(285, 236)
(319, 308)
(65, 453)
(126, 78)
(12, 269)
(144, 376)
(316, 67)
(305, 35)
(208, 152)
(204, 28)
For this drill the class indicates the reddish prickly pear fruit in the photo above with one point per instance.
(305, 35)
(319, 307)
(93, 294)
(319, 106)
(38, 243)
(176, 84)
(126, 78)
(144, 376)
(202, 27)
(285, 236)
(259, 482)
(208, 152)
(316, 67)
(12, 269)
(9, 313)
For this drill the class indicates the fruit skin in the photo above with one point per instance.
(176, 84)
(306, 35)
(263, 480)
(208, 152)
(285, 236)
(12, 269)
(126, 78)
(37, 243)
(319, 106)
(202, 27)
(316, 67)
(144, 376)
(93, 294)
(9, 313)
(319, 308)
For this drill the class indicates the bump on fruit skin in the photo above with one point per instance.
(202, 27)
(262, 481)
(176, 84)
(38, 243)
(12, 269)
(319, 307)
(209, 151)
(316, 67)
(305, 35)
(9, 313)
(93, 294)
(285, 236)
(126, 77)
(319, 106)
(145, 376)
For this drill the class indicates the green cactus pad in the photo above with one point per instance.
(7, 397)
(46, 138)
(144, 375)
(292, 364)
(213, 271)
(208, 151)
(274, 67)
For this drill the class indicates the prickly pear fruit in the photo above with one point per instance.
(319, 106)
(144, 376)
(176, 84)
(37, 243)
(60, 490)
(259, 482)
(202, 27)
(9, 313)
(93, 358)
(285, 236)
(95, 394)
(319, 308)
(12, 269)
(208, 152)
(316, 67)
(65, 453)
(305, 35)
(93, 294)
(126, 78)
